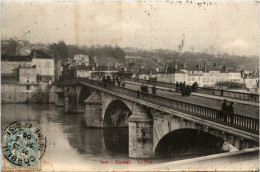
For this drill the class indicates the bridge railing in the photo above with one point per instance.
(239, 121)
(223, 93)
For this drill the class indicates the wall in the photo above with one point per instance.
(251, 83)
(44, 66)
(10, 66)
(11, 93)
(27, 75)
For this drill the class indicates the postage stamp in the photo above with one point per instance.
(23, 145)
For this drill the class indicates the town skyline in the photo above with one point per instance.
(154, 28)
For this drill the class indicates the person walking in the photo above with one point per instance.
(142, 87)
(230, 110)
(193, 87)
(177, 86)
(196, 87)
(181, 86)
(224, 109)
(183, 91)
(187, 90)
(154, 89)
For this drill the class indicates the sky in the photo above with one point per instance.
(231, 27)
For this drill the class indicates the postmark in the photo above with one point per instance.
(23, 145)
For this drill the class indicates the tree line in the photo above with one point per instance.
(60, 50)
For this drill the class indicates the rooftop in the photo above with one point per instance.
(16, 58)
(40, 54)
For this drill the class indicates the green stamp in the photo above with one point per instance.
(23, 146)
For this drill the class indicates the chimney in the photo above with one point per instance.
(96, 64)
(176, 66)
(215, 64)
(166, 68)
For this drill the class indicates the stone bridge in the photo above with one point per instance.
(158, 126)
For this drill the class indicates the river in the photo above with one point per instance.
(72, 146)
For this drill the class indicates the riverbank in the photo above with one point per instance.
(17, 93)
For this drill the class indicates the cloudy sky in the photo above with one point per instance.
(231, 27)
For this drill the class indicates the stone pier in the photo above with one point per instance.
(93, 110)
(140, 134)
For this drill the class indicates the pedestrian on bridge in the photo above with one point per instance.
(183, 93)
(103, 79)
(154, 89)
(224, 110)
(177, 86)
(230, 110)
(181, 86)
(187, 90)
(194, 87)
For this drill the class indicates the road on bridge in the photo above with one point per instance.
(243, 109)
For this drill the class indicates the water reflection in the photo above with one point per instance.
(107, 143)
(69, 143)
(116, 140)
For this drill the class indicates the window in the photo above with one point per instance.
(27, 87)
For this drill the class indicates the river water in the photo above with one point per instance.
(72, 146)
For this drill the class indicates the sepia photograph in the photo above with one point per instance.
(129, 85)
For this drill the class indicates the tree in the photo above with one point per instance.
(119, 53)
(10, 47)
(59, 50)
(180, 47)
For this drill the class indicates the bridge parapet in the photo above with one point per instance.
(223, 93)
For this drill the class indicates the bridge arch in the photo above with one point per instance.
(187, 141)
(117, 114)
(83, 95)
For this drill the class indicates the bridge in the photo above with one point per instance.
(158, 126)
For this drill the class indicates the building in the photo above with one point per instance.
(10, 64)
(147, 74)
(171, 75)
(194, 74)
(44, 66)
(214, 74)
(27, 75)
(81, 59)
(83, 71)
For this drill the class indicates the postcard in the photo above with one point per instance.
(129, 85)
